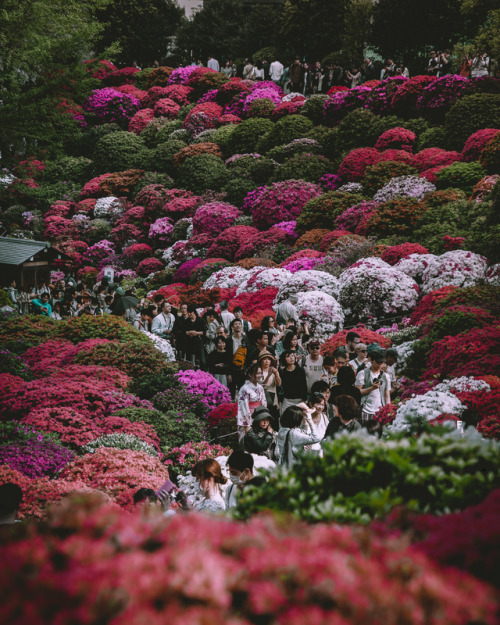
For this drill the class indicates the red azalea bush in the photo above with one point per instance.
(183, 459)
(427, 305)
(476, 142)
(125, 75)
(455, 356)
(395, 217)
(179, 203)
(74, 428)
(153, 197)
(230, 240)
(489, 427)
(386, 414)
(263, 242)
(484, 403)
(330, 237)
(282, 201)
(206, 268)
(59, 227)
(313, 239)
(149, 266)
(118, 472)
(395, 253)
(178, 93)
(221, 413)
(214, 217)
(165, 107)
(230, 90)
(49, 355)
(396, 138)
(404, 100)
(286, 108)
(244, 574)
(303, 254)
(367, 337)
(434, 157)
(253, 302)
(120, 425)
(140, 120)
(352, 168)
(136, 252)
(400, 156)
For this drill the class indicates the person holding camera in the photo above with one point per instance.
(480, 64)
(374, 385)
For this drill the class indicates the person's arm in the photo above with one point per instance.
(300, 438)
(387, 389)
(211, 332)
(277, 378)
(257, 444)
(302, 383)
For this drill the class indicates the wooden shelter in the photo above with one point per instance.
(25, 261)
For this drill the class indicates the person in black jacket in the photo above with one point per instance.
(194, 330)
(260, 438)
(347, 416)
(293, 381)
(345, 385)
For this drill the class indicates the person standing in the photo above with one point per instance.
(250, 396)
(226, 316)
(248, 70)
(374, 385)
(346, 419)
(292, 438)
(286, 310)
(360, 362)
(213, 63)
(293, 381)
(219, 361)
(479, 66)
(276, 71)
(237, 346)
(163, 324)
(296, 76)
(194, 331)
(352, 339)
(313, 364)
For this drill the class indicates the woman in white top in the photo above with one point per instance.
(209, 476)
(479, 66)
(291, 438)
(251, 395)
(142, 322)
(315, 409)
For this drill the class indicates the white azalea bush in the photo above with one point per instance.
(119, 441)
(463, 384)
(162, 345)
(226, 278)
(321, 311)
(404, 186)
(405, 350)
(263, 278)
(370, 291)
(493, 275)
(110, 208)
(428, 406)
(456, 268)
(415, 265)
(310, 280)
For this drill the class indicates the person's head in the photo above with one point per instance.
(166, 308)
(293, 298)
(290, 340)
(240, 467)
(361, 351)
(208, 472)
(373, 427)
(144, 314)
(184, 310)
(292, 417)
(313, 348)
(317, 401)
(224, 305)
(341, 358)
(267, 323)
(321, 386)
(238, 312)
(45, 298)
(378, 359)
(11, 496)
(192, 312)
(329, 364)
(266, 360)
(145, 497)
(433, 53)
(346, 376)
(158, 299)
(236, 326)
(261, 419)
(220, 344)
(391, 356)
(261, 339)
(221, 332)
(57, 307)
(347, 408)
(288, 358)
(352, 339)
(254, 373)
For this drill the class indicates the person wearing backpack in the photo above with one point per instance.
(250, 397)
(375, 386)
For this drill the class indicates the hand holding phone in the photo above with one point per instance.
(167, 488)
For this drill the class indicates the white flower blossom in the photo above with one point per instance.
(456, 268)
(162, 345)
(428, 406)
(226, 278)
(321, 311)
(108, 208)
(310, 280)
(414, 265)
(263, 278)
(463, 384)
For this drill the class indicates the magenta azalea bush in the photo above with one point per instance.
(109, 105)
(214, 217)
(202, 383)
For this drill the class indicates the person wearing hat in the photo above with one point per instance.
(271, 381)
(375, 386)
(286, 310)
(261, 438)
(313, 363)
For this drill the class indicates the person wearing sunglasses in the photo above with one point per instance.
(360, 362)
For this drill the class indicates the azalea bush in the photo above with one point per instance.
(182, 459)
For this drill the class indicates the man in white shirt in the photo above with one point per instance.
(163, 323)
(313, 364)
(391, 358)
(213, 63)
(286, 310)
(375, 386)
(225, 315)
(276, 71)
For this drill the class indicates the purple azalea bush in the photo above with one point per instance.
(212, 392)
(35, 458)
(110, 105)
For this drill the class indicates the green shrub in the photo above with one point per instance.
(321, 211)
(236, 189)
(432, 138)
(259, 169)
(132, 357)
(461, 176)
(246, 135)
(86, 143)
(76, 168)
(361, 478)
(359, 129)
(440, 220)
(309, 167)
(244, 220)
(147, 385)
(96, 230)
(298, 146)
(14, 215)
(162, 158)
(78, 329)
(201, 173)
(179, 233)
(159, 130)
(418, 125)
(176, 397)
(222, 137)
(490, 156)
(118, 151)
(153, 177)
(261, 107)
(161, 278)
(469, 114)
(284, 131)
(327, 137)
(17, 334)
(313, 108)
(118, 440)
(379, 174)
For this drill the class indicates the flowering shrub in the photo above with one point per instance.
(428, 303)
(109, 105)
(282, 201)
(181, 75)
(353, 167)
(140, 120)
(321, 311)
(386, 414)
(476, 142)
(120, 441)
(194, 150)
(380, 174)
(457, 268)
(182, 459)
(353, 217)
(386, 290)
(404, 99)
(414, 264)
(311, 239)
(302, 264)
(395, 253)
(426, 407)
(35, 458)
(381, 97)
(396, 138)
(322, 211)
(396, 216)
(229, 241)
(438, 97)
(433, 157)
(214, 217)
(265, 244)
(74, 428)
(404, 186)
(202, 383)
(117, 472)
(149, 266)
(221, 413)
(303, 281)
(161, 230)
(340, 103)
(136, 252)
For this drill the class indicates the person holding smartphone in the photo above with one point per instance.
(374, 385)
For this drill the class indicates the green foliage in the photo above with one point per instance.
(201, 173)
(17, 334)
(327, 137)
(359, 129)
(469, 114)
(321, 211)
(97, 230)
(153, 177)
(85, 143)
(113, 328)
(313, 108)
(246, 135)
(236, 190)
(147, 385)
(309, 167)
(379, 174)
(261, 107)
(260, 170)
(162, 157)
(76, 168)
(132, 357)
(461, 176)
(299, 146)
(11, 362)
(361, 478)
(284, 131)
(118, 151)
(432, 138)
(222, 137)
(159, 130)
(490, 156)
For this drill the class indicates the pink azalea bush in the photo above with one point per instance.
(202, 383)
(214, 217)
